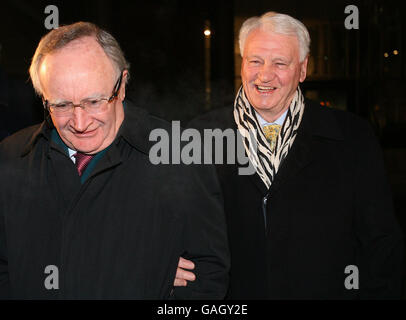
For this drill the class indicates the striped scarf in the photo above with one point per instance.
(265, 162)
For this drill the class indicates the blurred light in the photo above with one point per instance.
(386, 55)
(207, 33)
(327, 103)
(322, 103)
(395, 52)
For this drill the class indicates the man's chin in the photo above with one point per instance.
(263, 103)
(86, 148)
(264, 106)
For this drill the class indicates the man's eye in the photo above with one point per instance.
(92, 102)
(61, 105)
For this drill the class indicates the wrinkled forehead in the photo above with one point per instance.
(79, 69)
(83, 55)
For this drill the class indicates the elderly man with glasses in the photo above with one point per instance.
(83, 211)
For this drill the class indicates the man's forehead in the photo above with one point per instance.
(84, 53)
(77, 71)
(82, 48)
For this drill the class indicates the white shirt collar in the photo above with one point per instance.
(279, 121)
(72, 155)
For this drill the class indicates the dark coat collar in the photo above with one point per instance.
(135, 130)
(43, 131)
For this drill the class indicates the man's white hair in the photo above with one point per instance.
(278, 23)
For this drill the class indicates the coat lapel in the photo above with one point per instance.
(259, 184)
(299, 157)
(317, 126)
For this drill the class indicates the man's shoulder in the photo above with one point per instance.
(338, 114)
(14, 144)
(346, 124)
(138, 127)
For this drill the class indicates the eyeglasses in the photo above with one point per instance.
(92, 105)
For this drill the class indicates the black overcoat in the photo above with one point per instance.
(328, 209)
(118, 235)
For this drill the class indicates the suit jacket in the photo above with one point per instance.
(118, 235)
(329, 207)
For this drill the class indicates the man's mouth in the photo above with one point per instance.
(84, 134)
(265, 89)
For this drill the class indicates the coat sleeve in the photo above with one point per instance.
(205, 238)
(380, 238)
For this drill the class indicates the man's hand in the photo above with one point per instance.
(183, 276)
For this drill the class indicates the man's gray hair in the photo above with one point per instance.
(277, 23)
(62, 36)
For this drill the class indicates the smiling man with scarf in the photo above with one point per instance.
(319, 203)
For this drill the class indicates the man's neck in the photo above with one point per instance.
(271, 117)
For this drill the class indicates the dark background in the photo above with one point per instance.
(178, 73)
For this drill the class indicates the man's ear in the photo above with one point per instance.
(303, 69)
(121, 93)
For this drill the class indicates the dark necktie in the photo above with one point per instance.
(82, 160)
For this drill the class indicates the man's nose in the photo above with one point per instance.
(267, 73)
(80, 118)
